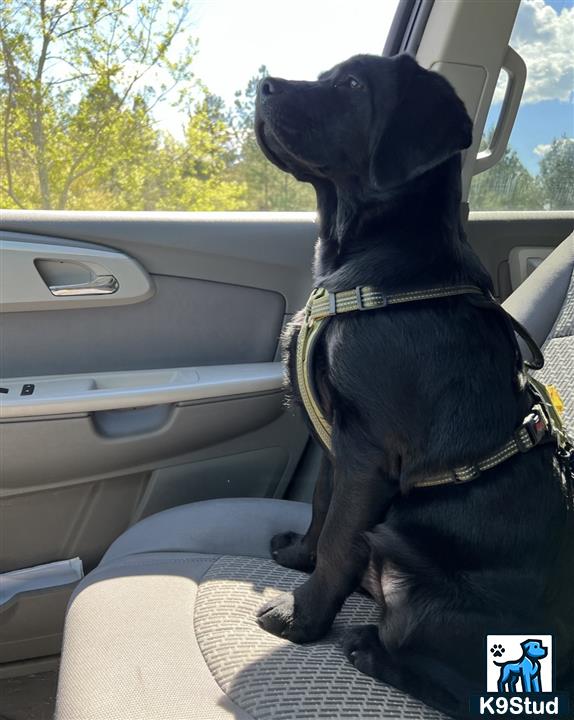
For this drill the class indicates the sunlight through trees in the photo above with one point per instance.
(80, 83)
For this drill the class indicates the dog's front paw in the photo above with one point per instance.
(291, 617)
(288, 549)
(363, 649)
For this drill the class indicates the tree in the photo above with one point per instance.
(506, 186)
(109, 156)
(267, 187)
(557, 175)
(197, 173)
(80, 80)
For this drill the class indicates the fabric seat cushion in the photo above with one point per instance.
(172, 633)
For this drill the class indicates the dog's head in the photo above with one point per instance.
(371, 121)
(534, 649)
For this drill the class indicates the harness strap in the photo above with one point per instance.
(323, 304)
(543, 423)
(536, 362)
(534, 430)
(308, 335)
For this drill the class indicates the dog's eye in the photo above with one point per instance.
(349, 82)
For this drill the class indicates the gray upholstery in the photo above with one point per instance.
(164, 628)
(180, 317)
(544, 303)
(160, 630)
(273, 679)
(130, 651)
(558, 350)
(239, 526)
(538, 301)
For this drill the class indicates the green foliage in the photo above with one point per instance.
(557, 175)
(267, 187)
(506, 186)
(509, 186)
(80, 81)
(196, 173)
(80, 84)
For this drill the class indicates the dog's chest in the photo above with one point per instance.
(393, 585)
(387, 585)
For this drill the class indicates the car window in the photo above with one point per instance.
(537, 169)
(148, 105)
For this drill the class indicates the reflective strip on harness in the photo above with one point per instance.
(532, 432)
(307, 334)
(323, 304)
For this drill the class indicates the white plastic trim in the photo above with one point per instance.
(65, 394)
(40, 577)
(468, 40)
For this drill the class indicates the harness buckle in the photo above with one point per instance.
(536, 426)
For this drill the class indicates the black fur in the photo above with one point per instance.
(412, 390)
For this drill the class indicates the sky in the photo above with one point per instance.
(299, 39)
(296, 39)
(543, 36)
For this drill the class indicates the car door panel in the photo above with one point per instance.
(496, 235)
(174, 397)
(185, 323)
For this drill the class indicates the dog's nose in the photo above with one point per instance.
(271, 86)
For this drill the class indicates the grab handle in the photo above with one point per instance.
(516, 69)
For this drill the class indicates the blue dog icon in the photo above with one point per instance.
(527, 669)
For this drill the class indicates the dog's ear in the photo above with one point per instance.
(426, 125)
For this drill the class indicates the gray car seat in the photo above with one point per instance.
(164, 628)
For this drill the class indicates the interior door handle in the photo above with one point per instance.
(50, 275)
(100, 285)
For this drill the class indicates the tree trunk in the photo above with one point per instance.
(38, 133)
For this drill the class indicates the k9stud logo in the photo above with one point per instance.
(519, 664)
(520, 679)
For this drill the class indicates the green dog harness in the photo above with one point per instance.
(542, 423)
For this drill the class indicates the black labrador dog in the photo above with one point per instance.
(412, 390)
